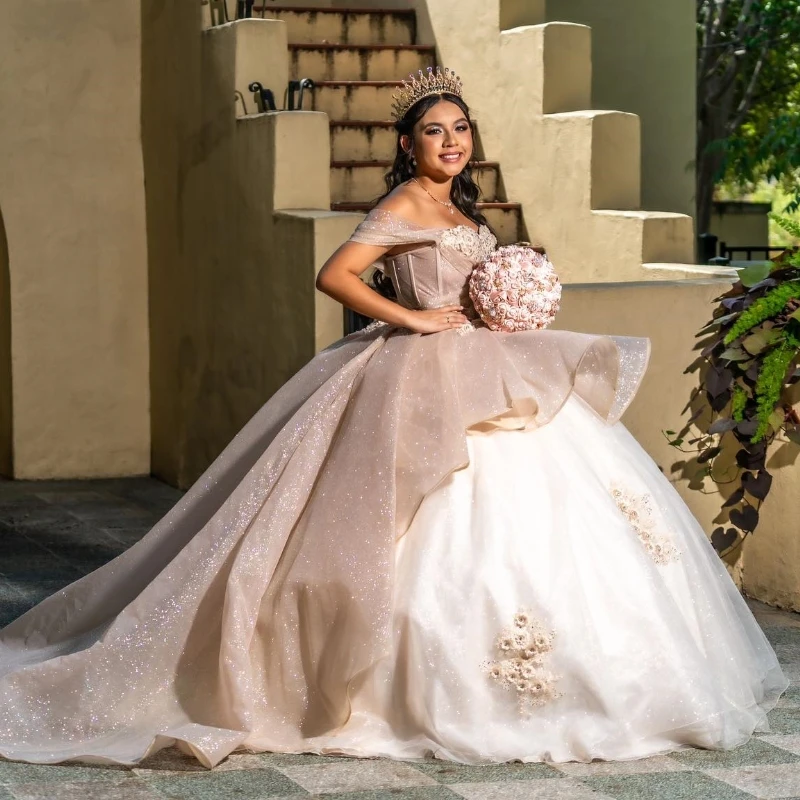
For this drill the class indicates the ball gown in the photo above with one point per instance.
(441, 545)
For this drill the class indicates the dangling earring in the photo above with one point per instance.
(413, 161)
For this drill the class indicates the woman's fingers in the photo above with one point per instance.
(454, 318)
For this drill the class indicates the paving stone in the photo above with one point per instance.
(448, 772)
(632, 767)
(13, 772)
(768, 616)
(763, 781)
(416, 793)
(790, 742)
(784, 720)
(790, 698)
(756, 751)
(110, 513)
(564, 789)
(127, 537)
(672, 785)
(126, 789)
(293, 759)
(358, 775)
(14, 502)
(246, 784)
(72, 498)
(788, 636)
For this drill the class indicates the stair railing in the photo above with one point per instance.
(298, 87)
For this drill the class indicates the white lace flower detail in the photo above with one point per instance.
(639, 512)
(524, 648)
(468, 327)
(476, 245)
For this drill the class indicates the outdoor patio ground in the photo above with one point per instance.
(53, 532)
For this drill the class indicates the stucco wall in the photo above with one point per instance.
(233, 310)
(643, 62)
(72, 199)
(743, 224)
(6, 408)
(654, 41)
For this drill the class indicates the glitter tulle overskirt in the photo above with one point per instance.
(339, 578)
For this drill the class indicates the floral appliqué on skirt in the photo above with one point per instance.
(639, 512)
(523, 649)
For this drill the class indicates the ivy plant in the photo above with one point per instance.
(747, 364)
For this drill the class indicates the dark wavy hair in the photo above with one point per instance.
(464, 192)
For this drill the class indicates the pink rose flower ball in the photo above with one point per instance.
(516, 289)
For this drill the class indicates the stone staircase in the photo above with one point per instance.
(355, 57)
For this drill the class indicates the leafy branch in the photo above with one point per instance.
(747, 362)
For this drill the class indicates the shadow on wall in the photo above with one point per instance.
(6, 421)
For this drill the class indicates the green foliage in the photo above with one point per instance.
(763, 308)
(748, 87)
(791, 226)
(769, 384)
(747, 352)
(738, 402)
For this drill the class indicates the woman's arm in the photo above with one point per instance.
(339, 278)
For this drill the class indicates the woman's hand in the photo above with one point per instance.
(434, 320)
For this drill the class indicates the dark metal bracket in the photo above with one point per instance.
(297, 88)
(265, 99)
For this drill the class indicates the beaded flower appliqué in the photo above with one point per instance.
(523, 650)
(638, 511)
(476, 245)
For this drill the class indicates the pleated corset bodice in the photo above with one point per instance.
(432, 266)
(437, 273)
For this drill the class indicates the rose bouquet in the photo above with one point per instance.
(515, 289)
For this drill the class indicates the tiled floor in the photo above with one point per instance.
(52, 533)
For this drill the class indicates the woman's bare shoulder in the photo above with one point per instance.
(403, 202)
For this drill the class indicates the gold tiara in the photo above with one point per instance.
(424, 84)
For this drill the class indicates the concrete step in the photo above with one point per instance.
(504, 218)
(356, 180)
(354, 100)
(337, 62)
(362, 140)
(667, 272)
(650, 236)
(342, 25)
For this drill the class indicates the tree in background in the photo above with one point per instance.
(748, 97)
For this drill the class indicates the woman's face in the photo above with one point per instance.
(442, 141)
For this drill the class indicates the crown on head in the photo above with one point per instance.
(424, 84)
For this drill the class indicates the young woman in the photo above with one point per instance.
(434, 540)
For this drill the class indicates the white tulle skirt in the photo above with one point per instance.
(556, 600)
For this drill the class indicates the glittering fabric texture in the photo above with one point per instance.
(341, 561)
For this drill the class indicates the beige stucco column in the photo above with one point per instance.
(643, 62)
(72, 202)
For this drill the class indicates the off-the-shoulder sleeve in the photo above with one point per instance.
(385, 229)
